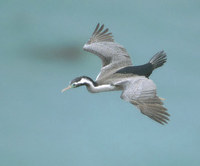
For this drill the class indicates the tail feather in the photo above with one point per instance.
(158, 59)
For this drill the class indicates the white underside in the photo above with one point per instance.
(101, 88)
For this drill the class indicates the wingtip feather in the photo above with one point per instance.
(100, 35)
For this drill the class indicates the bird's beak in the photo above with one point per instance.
(66, 88)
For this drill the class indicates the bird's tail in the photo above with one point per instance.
(158, 59)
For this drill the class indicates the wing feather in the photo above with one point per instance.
(113, 55)
(105, 31)
(100, 36)
(141, 92)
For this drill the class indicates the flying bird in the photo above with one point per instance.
(119, 74)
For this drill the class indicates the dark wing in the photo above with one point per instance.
(141, 92)
(113, 55)
(142, 70)
(156, 61)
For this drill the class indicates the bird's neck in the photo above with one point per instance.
(100, 88)
(93, 87)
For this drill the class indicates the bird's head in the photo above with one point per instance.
(79, 81)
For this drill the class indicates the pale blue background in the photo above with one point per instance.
(41, 51)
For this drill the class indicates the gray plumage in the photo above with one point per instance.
(158, 59)
(113, 55)
(141, 92)
(118, 73)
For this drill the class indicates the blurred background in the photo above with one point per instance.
(41, 51)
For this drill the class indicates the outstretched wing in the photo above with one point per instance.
(113, 55)
(141, 92)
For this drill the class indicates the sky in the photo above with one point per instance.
(41, 52)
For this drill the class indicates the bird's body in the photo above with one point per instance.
(118, 73)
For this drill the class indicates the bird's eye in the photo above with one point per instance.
(73, 85)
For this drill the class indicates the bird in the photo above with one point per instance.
(119, 74)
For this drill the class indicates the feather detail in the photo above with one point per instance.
(100, 35)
